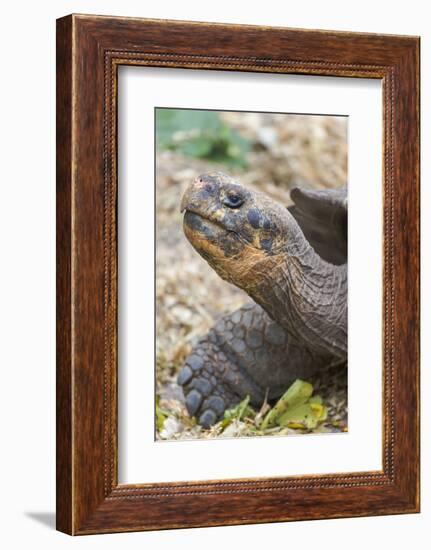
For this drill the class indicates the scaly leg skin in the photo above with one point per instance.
(245, 353)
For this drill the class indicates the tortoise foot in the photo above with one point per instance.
(207, 395)
(245, 353)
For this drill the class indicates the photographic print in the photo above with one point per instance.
(259, 176)
(251, 274)
(202, 287)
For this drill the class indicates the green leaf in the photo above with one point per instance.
(242, 410)
(200, 134)
(297, 409)
(297, 394)
(161, 415)
(197, 148)
(305, 416)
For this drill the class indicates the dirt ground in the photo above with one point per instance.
(288, 150)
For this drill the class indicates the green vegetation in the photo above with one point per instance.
(297, 409)
(201, 134)
(161, 415)
(241, 411)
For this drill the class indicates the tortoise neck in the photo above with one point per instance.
(308, 297)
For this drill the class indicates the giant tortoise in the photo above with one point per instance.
(292, 262)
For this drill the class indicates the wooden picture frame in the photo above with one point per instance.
(89, 52)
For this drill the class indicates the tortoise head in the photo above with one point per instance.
(239, 232)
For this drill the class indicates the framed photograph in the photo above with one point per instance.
(237, 274)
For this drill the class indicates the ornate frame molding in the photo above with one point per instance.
(90, 49)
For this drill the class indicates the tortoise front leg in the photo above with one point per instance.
(213, 382)
(245, 353)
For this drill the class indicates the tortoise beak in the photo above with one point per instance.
(197, 195)
(185, 201)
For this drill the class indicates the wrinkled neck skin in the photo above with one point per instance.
(261, 248)
(305, 295)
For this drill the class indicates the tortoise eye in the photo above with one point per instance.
(233, 200)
